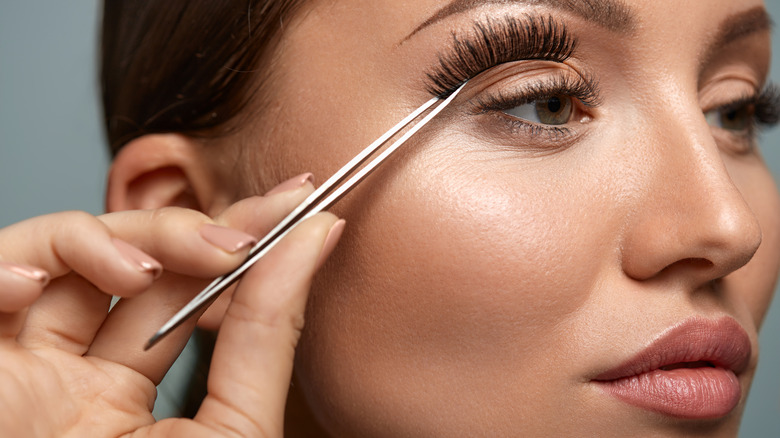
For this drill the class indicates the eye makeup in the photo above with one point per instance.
(512, 38)
(538, 96)
(744, 118)
(761, 110)
(515, 38)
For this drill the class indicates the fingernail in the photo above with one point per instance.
(30, 272)
(226, 238)
(292, 183)
(330, 241)
(138, 258)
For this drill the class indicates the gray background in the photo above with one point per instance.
(52, 156)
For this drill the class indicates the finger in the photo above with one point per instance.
(11, 324)
(242, 215)
(61, 242)
(71, 313)
(66, 317)
(133, 321)
(20, 285)
(50, 246)
(183, 241)
(189, 242)
(258, 215)
(253, 356)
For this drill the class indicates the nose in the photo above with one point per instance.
(689, 217)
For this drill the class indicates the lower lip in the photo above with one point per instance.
(694, 393)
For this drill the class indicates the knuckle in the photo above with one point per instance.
(170, 219)
(162, 215)
(76, 223)
(268, 319)
(76, 218)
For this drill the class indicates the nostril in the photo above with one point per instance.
(691, 263)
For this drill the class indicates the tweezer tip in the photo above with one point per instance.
(153, 340)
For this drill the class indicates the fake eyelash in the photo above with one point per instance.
(529, 37)
(495, 42)
(765, 106)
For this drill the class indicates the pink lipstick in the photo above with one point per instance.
(690, 371)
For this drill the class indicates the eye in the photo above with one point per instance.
(737, 119)
(553, 110)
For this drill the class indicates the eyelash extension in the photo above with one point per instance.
(766, 106)
(495, 42)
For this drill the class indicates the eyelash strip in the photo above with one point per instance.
(496, 42)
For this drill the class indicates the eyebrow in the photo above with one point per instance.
(613, 15)
(738, 26)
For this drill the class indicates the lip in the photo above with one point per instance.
(690, 371)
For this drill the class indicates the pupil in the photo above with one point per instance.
(731, 115)
(554, 104)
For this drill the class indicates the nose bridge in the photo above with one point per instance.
(689, 208)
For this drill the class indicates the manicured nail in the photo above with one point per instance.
(292, 183)
(144, 262)
(330, 241)
(30, 272)
(226, 238)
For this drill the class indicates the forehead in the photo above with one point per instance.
(614, 14)
(381, 37)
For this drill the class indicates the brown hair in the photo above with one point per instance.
(184, 66)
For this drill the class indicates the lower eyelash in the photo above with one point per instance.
(553, 133)
(581, 88)
(766, 104)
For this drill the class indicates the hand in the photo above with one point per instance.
(69, 367)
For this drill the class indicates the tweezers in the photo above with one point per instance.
(324, 197)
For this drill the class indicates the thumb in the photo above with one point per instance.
(253, 357)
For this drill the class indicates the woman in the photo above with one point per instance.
(585, 243)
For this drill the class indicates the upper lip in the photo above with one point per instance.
(721, 343)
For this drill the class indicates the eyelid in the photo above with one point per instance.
(489, 105)
(583, 87)
(766, 103)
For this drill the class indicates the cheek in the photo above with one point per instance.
(454, 261)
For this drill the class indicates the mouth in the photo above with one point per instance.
(697, 364)
(690, 371)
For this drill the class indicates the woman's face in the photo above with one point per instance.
(583, 244)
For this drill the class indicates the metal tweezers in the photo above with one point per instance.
(324, 197)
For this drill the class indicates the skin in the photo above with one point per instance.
(63, 355)
(482, 284)
(485, 276)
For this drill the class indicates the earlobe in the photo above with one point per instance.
(159, 170)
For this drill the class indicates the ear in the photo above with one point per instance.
(160, 170)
